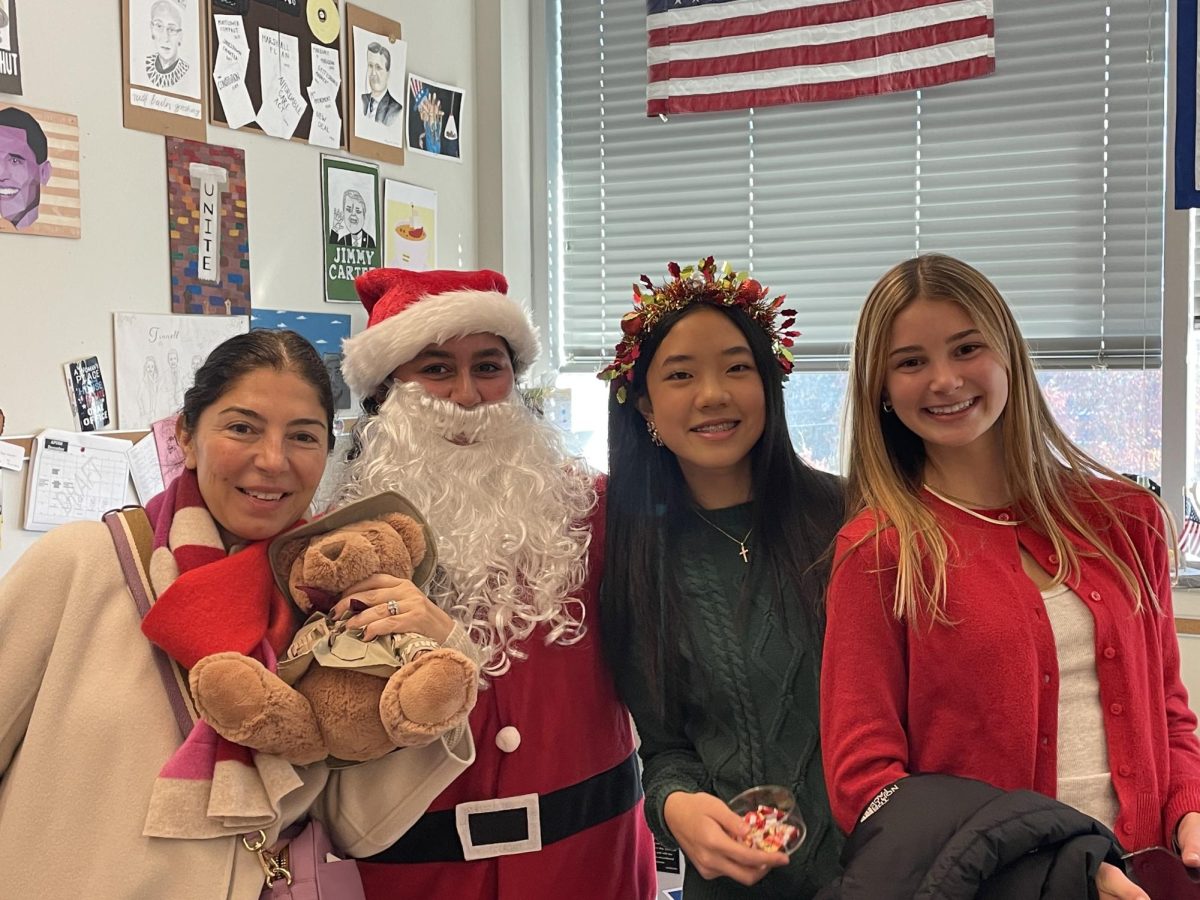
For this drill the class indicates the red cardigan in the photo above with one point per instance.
(980, 698)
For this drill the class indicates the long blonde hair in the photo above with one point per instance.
(1048, 475)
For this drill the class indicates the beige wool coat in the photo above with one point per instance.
(85, 727)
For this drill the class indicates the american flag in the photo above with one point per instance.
(1189, 534)
(706, 55)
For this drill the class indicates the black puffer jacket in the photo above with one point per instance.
(939, 837)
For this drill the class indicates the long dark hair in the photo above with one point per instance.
(283, 351)
(795, 512)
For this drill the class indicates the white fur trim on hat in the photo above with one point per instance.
(373, 354)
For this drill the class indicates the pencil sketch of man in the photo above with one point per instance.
(378, 103)
(175, 385)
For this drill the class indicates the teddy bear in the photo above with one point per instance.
(335, 695)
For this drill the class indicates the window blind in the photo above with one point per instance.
(1047, 176)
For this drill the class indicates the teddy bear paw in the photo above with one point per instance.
(249, 705)
(428, 697)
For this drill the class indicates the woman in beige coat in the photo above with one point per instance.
(97, 797)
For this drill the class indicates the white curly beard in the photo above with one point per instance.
(507, 504)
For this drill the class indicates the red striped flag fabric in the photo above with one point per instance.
(707, 55)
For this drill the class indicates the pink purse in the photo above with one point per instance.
(301, 870)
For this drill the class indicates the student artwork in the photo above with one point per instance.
(10, 52)
(171, 458)
(434, 118)
(377, 61)
(163, 67)
(156, 460)
(157, 359)
(409, 215)
(325, 331)
(207, 229)
(85, 388)
(350, 222)
(39, 186)
(276, 68)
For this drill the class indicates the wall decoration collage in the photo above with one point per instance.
(322, 72)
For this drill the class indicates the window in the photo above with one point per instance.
(1046, 175)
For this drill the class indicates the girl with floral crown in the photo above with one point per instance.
(713, 577)
(1000, 604)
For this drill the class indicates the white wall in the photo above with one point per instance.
(506, 197)
(57, 295)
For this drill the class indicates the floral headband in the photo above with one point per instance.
(698, 284)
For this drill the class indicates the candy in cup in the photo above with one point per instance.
(770, 811)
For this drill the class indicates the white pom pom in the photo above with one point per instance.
(508, 739)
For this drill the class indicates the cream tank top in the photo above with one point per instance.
(1084, 776)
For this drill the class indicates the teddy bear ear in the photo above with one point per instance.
(288, 554)
(410, 532)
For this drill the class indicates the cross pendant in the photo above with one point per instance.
(744, 552)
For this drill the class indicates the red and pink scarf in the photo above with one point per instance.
(211, 601)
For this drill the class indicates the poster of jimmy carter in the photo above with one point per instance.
(350, 221)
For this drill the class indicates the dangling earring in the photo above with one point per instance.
(887, 406)
(654, 438)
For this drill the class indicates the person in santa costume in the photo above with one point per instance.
(553, 802)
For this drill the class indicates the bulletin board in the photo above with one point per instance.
(277, 46)
(59, 294)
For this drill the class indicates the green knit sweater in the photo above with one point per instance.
(750, 714)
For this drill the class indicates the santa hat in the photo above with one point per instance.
(408, 311)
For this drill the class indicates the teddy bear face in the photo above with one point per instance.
(327, 564)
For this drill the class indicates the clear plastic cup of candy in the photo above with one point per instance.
(774, 822)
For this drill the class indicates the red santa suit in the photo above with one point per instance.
(552, 805)
(575, 752)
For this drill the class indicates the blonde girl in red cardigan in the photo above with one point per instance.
(976, 527)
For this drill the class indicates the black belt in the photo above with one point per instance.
(434, 838)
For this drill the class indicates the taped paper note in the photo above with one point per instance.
(12, 456)
(279, 75)
(229, 71)
(143, 466)
(326, 127)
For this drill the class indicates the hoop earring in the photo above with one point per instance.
(887, 407)
(654, 438)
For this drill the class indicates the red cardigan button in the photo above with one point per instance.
(1116, 709)
(1110, 653)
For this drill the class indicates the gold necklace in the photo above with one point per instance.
(967, 509)
(743, 550)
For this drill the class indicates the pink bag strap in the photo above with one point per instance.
(133, 539)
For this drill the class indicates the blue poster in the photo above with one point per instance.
(325, 331)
